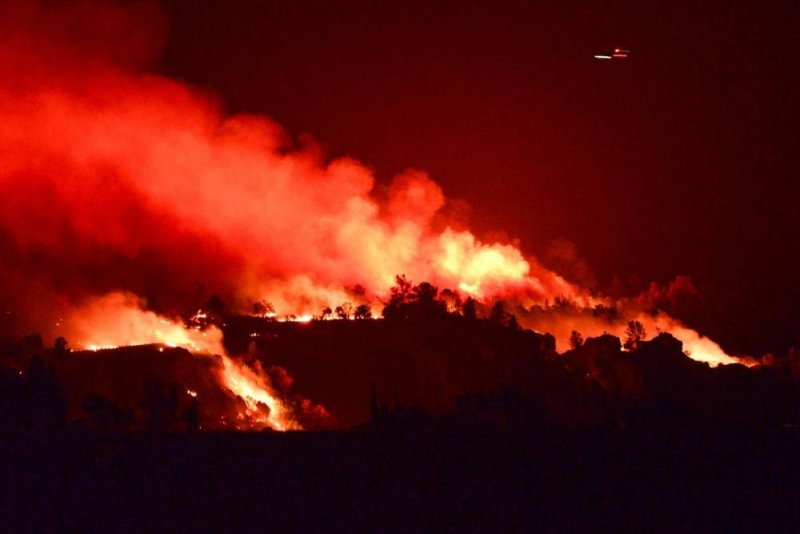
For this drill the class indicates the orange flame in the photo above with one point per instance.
(118, 319)
(88, 147)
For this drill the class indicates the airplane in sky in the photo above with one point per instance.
(618, 53)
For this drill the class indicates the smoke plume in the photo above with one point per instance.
(114, 179)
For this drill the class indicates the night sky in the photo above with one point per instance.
(680, 160)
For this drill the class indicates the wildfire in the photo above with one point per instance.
(697, 346)
(474, 265)
(223, 198)
(305, 318)
(263, 408)
(118, 319)
(227, 201)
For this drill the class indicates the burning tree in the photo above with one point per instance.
(408, 301)
(634, 335)
(344, 311)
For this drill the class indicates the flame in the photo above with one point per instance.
(697, 346)
(90, 144)
(578, 316)
(473, 264)
(263, 407)
(305, 318)
(224, 198)
(119, 319)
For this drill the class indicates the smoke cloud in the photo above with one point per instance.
(118, 179)
(114, 179)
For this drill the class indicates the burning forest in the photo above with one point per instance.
(177, 269)
(129, 197)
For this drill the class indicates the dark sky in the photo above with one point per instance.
(681, 160)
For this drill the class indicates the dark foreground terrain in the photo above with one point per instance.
(444, 423)
(658, 479)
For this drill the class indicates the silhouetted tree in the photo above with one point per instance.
(362, 312)
(344, 311)
(400, 295)
(425, 293)
(634, 335)
(326, 312)
(408, 301)
(402, 288)
(60, 344)
(575, 339)
(263, 308)
(470, 309)
(425, 302)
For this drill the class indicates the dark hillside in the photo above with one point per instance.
(422, 363)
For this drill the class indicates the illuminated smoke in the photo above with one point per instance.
(116, 179)
(110, 171)
(118, 319)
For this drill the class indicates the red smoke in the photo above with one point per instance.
(115, 179)
(120, 179)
